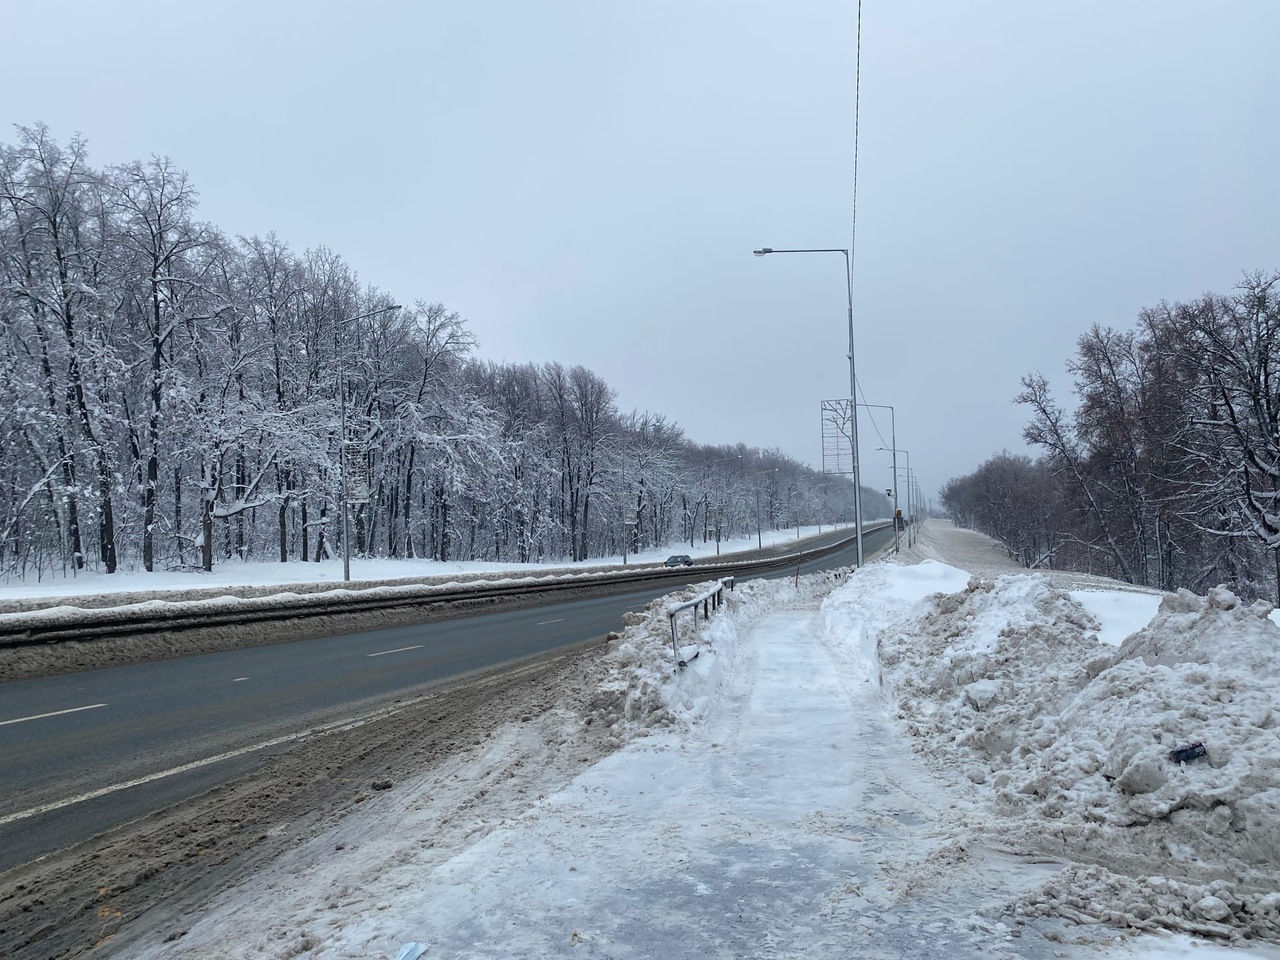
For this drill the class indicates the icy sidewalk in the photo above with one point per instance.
(792, 823)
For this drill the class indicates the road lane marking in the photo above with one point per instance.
(239, 679)
(184, 768)
(338, 726)
(545, 622)
(55, 713)
(383, 653)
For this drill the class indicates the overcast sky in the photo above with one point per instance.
(585, 181)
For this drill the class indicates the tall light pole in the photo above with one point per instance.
(759, 536)
(914, 504)
(720, 506)
(907, 454)
(853, 379)
(342, 433)
(892, 448)
(913, 500)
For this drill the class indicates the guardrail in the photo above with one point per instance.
(710, 600)
(64, 623)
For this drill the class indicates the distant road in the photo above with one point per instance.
(84, 752)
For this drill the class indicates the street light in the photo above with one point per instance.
(627, 527)
(893, 443)
(719, 505)
(759, 537)
(342, 437)
(853, 380)
(913, 500)
(910, 515)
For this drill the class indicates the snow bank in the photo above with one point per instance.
(1006, 683)
(645, 689)
(325, 574)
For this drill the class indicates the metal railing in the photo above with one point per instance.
(64, 622)
(710, 600)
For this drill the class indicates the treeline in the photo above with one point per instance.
(1167, 474)
(173, 397)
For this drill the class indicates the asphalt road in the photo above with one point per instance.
(84, 752)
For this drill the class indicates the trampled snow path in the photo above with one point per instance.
(736, 841)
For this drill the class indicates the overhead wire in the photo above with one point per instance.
(872, 417)
(853, 239)
(857, 111)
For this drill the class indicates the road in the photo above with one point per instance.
(88, 751)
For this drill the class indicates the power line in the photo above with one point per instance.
(853, 239)
(857, 112)
(872, 416)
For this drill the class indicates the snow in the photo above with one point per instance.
(1006, 685)
(904, 762)
(271, 573)
(1119, 613)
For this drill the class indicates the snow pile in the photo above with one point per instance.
(1007, 682)
(645, 689)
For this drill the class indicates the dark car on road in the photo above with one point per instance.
(679, 560)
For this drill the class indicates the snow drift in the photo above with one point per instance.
(1005, 684)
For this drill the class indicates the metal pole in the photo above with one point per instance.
(912, 499)
(907, 454)
(911, 520)
(853, 411)
(342, 455)
(893, 449)
(915, 503)
(853, 380)
(911, 502)
(893, 439)
(342, 435)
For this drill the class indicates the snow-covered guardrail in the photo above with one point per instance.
(63, 623)
(710, 600)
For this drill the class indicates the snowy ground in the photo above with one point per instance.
(839, 773)
(269, 573)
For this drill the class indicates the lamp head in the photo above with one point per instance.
(762, 251)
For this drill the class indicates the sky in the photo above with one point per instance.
(585, 181)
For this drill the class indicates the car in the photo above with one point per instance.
(679, 560)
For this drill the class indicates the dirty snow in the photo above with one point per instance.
(915, 766)
(1006, 685)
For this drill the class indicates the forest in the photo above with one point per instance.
(172, 397)
(1167, 472)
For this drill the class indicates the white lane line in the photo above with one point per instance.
(239, 679)
(383, 653)
(56, 713)
(336, 727)
(173, 771)
(545, 622)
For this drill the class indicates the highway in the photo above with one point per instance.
(88, 751)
